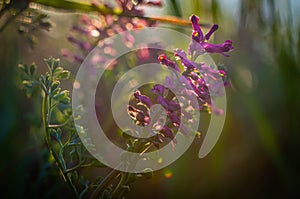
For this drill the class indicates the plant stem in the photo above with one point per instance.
(105, 182)
(105, 10)
(119, 187)
(46, 118)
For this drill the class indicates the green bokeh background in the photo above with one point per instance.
(257, 155)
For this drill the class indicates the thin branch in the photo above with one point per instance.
(103, 9)
(59, 125)
(45, 117)
(104, 183)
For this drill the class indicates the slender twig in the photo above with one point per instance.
(46, 118)
(10, 18)
(146, 149)
(102, 9)
(4, 8)
(80, 165)
(88, 8)
(104, 183)
(59, 125)
(120, 185)
(120, 188)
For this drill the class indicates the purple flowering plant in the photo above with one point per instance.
(204, 83)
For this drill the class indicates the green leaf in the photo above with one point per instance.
(57, 135)
(66, 100)
(148, 173)
(47, 80)
(48, 62)
(42, 79)
(24, 68)
(55, 92)
(61, 96)
(59, 132)
(52, 63)
(32, 69)
(57, 71)
(64, 75)
(55, 63)
(55, 85)
(27, 83)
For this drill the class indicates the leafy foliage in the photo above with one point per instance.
(67, 150)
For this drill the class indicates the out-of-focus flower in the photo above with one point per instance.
(91, 30)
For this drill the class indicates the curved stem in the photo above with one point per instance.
(46, 118)
(119, 187)
(105, 182)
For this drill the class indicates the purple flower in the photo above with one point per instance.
(173, 106)
(89, 31)
(158, 89)
(218, 48)
(167, 132)
(174, 118)
(196, 80)
(164, 61)
(138, 116)
(80, 44)
(170, 106)
(162, 101)
(197, 33)
(199, 46)
(143, 99)
(187, 63)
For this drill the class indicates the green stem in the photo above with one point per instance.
(120, 189)
(58, 125)
(75, 6)
(120, 185)
(10, 18)
(105, 182)
(104, 10)
(45, 118)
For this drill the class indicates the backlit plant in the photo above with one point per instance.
(65, 147)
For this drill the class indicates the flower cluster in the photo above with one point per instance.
(89, 31)
(204, 82)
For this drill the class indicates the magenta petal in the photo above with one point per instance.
(211, 31)
(163, 60)
(143, 98)
(195, 23)
(218, 48)
(162, 101)
(158, 89)
(167, 132)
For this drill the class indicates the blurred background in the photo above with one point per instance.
(257, 155)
